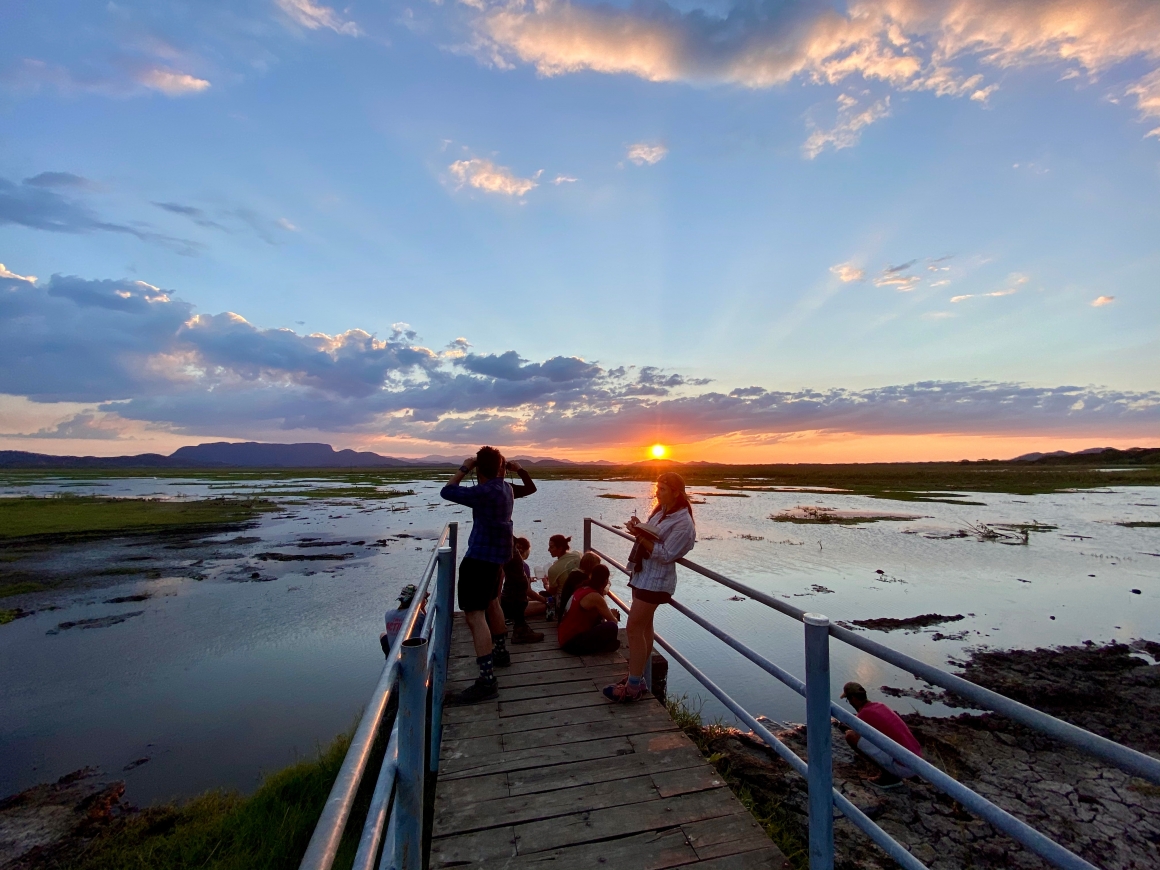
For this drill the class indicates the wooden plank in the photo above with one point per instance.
(726, 836)
(610, 727)
(460, 668)
(602, 824)
(472, 758)
(768, 858)
(602, 675)
(648, 851)
(596, 770)
(530, 722)
(590, 697)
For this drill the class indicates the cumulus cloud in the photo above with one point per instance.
(170, 82)
(848, 272)
(38, 206)
(903, 44)
(1101, 301)
(641, 153)
(847, 129)
(486, 176)
(313, 16)
(135, 354)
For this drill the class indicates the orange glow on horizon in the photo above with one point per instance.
(658, 451)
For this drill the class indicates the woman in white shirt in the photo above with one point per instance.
(654, 576)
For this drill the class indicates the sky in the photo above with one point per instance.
(754, 231)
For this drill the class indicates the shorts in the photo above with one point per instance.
(479, 583)
(649, 596)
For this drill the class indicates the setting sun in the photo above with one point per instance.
(658, 451)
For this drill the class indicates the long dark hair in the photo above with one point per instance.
(677, 484)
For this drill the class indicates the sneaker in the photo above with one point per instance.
(480, 690)
(885, 780)
(622, 691)
(524, 634)
(501, 658)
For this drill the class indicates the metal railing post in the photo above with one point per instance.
(819, 755)
(412, 770)
(444, 604)
(587, 534)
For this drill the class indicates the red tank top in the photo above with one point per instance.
(577, 620)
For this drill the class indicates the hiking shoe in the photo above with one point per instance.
(622, 691)
(885, 780)
(480, 690)
(501, 658)
(524, 634)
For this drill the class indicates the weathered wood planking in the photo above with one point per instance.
(551, 776)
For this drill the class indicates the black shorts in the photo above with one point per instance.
(479, 583)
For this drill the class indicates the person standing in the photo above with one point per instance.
(669, 536)
(481, 572)
(882, 718)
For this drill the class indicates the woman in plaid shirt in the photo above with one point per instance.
(654, 576)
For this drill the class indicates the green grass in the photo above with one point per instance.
(19, 588)
(96, 516)
(774, 819)
(219, 830)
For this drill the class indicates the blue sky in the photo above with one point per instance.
(922, 230)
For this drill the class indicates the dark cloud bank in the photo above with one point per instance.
(145, 354)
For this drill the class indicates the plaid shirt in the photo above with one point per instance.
(491, 514)
(658, 572)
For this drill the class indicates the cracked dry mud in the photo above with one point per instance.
(1106, 816)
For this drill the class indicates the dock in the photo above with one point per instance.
(553, 775)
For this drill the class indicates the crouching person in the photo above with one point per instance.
(589, 625)
(882, 718)
(519, 600)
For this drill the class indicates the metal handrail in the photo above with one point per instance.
(415, 666)
(816, 689)
(1127, 759)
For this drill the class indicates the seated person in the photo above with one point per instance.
(576, 579)
(518, 599)
(566, 562)
(881, 718)
(589, 626)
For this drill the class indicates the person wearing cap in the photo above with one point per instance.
(881, 718)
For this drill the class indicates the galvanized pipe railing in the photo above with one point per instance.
(1127, 759)
(819, 708)
(416, 665)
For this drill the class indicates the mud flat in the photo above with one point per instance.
(1099, 812)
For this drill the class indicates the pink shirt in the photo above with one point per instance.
(889, 723)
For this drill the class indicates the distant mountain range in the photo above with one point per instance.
(1095, 455)
(252, 454)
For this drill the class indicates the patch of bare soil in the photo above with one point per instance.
(1099, 812)
(47, 821)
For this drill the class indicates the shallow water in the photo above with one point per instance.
(219, 681)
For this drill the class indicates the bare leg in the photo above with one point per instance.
(535, 608)
(480, 633)
(495, 620)
(640, 635)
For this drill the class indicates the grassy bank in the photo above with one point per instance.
(771, 816)
(94, 516)
(268, 830)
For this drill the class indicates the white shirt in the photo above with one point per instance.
(658, 573)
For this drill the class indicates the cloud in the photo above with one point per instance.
(313, 16)
(896, 277)
(564, 179)
(12, 276)
(135, 354)
(641, 153)
(196, 215)
(1101, 301)
(60, 179)
(1016, 281)
(171, 83)
(39, 207)
(486, 176)
(848, 272)
(847, 129)
(907, 45)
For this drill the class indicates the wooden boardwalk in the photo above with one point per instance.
(552, 775)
